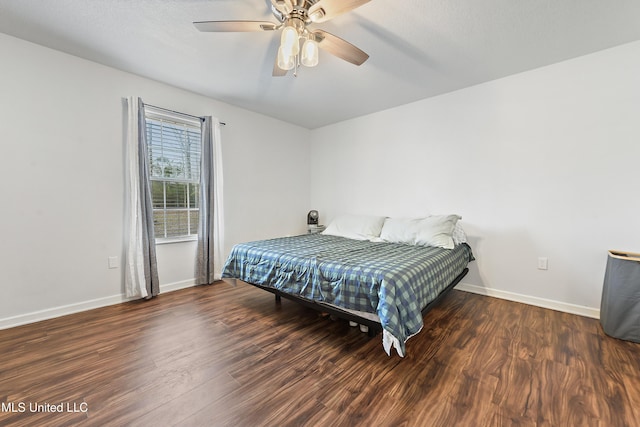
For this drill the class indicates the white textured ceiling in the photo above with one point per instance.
(417, 48)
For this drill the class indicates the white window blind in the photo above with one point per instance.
(174, 167)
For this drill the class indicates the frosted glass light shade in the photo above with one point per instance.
(289, 41)
(285, 61)
(310, 53)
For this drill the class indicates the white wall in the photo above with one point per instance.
(544, 163)
(62, 180)
(538, 164)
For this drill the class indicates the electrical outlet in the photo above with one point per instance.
(113, 262)
(543, 263)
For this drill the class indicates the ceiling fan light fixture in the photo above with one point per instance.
(310, 53)
(289, 41)
(285, 61)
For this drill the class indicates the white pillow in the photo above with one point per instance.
(399, 230)
(437, 231)
(358, 227)
(458, 235)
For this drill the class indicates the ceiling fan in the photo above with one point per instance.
(298, 43)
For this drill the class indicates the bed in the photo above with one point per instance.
(374, 282)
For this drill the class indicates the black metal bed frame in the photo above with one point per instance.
(374, 327)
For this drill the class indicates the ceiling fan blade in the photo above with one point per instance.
(235, 26)
(324, 10)
(340, 48)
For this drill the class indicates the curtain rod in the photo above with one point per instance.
(183, 114)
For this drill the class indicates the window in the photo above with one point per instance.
(174, 169)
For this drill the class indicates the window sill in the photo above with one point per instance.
(168, 240)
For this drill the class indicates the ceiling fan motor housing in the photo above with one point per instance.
(297, 9)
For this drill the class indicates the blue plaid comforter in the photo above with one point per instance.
(395, 281)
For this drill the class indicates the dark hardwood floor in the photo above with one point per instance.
(231, 356)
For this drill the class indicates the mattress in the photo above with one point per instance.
(391, 280)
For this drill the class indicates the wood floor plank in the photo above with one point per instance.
(229, 355)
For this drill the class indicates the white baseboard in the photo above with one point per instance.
(176, 286)
(50, 313)
(536, 301)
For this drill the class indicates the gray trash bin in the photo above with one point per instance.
(620, 306)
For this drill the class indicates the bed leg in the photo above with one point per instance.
(278, 298)
(372, 332)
